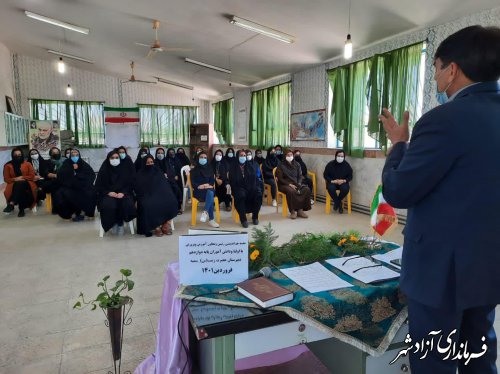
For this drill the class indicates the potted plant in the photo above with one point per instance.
(113, 305)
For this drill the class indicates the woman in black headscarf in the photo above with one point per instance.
(139, 161)
(67, 153)
(41, 170)
(258, 157)
(338, 174)
(124, 156)
(289, 178)
(20, 187)
(114, 187)
(221, 181)
(77, 192)
(230, 157)
(156, 203)
(170, 172)
(51, 184)
(279, 152)
(202, 181)
(268, 165)
(246, 188)
(305, 179)
(181, 157)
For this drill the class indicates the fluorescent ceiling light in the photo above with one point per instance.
(70, 56)
(166, 81)
(264, 30)
(208, 65)
(56, 22)
(61, 66)
(69, 90)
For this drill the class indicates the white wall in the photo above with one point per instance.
(39, 79)
(6, 89)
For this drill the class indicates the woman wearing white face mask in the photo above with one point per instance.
(222, 190)
(289, 178)
(114, 185)
(41, 170)
(338, 174)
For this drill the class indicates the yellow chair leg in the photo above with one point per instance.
(314, 190)
(268, 194)
(48, 203)
(285, 206)
(349, 203)
(194, 208)
(328, 204)
(217, 210)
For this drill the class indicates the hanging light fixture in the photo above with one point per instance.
(69, 90)
(61, 66)
(348, 42)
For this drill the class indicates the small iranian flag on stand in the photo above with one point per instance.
(383, 216)
(121, 115)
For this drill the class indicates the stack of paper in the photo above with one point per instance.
(363, 269)
(395, 254)
(315, 278)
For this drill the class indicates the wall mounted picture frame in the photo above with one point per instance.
(308, 126)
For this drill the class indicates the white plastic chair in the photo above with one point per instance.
(130, 226)
(185, 170)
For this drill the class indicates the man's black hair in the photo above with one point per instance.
(476, 50)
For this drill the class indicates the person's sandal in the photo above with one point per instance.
(166, 228)
(158, 232)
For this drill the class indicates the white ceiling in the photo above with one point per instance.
(320, 27)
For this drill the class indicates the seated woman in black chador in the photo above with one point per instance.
(221, 182)
(139, 161)
(268, 165)
(77, 192)
(156, 203)
(246, 187)
(163, 162)
(338, 174)
(114, 186)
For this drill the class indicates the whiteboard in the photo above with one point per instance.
(118, 134)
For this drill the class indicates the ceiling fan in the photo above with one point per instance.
(156, 46)
(132, 76)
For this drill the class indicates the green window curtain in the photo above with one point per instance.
(224, 121)
(84, 118)
(348, 84)
(394, 84)
(270, 116)
(166, 124)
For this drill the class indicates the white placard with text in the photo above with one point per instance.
(213, 259)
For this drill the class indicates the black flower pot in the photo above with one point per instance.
(115, 330)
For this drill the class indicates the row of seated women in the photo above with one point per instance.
(121, 183)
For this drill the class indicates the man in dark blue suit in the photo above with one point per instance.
(448, 177)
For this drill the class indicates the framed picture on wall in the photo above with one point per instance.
(308, 125)
(11, 108)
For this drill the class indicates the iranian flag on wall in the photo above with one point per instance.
(383, 216)
(121, 115)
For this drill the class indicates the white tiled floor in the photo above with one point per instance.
(45, 262)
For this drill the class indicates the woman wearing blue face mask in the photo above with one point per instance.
(221, 182)
(230, 157)
(114, 186)
(124, 157)
(77, 192)
(202, 182)
(338, 174)
(279, 152)
(246, 187)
